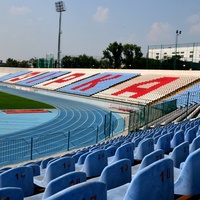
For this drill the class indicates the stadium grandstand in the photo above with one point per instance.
(114, 134)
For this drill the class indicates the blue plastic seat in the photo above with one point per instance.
(154, 182)
(136, 141)
(190, 134)
(55, 169)
(35, 167)
(94, 163)
(44, 162)
(164, 143)
(180, 153)
(124, 151)
(147, 160)
(156, 139)
(77, 155)
(151, 158)
(63, 182)
(21, 177)
(188, 182)
(195, 144)
(145, 147)
(82, 158)
(116, 174)
(82, 191)
(111, 150)
(11, 193)
(117, 143)
(177, 139)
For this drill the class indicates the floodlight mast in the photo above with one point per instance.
(176, 46)
(60, 7)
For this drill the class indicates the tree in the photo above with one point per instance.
(24, 64)
(12, 63)
(68, 62)
(132, 55)
(82, 61)
(113, 54)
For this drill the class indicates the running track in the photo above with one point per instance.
(73, 116)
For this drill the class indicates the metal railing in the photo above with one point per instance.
(19, 150)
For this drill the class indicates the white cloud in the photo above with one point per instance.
(101, 14)
(15, 10)
(160, 31)
(194, 20)
(195, 29)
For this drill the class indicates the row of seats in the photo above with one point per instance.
(157, 180)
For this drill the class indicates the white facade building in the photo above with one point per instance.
(189, 52)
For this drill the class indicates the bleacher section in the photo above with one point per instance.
(41, 78)
(12, 75)
(62, 81)
(97, 83)
(14, 79)
(132, 87)
(148, 88)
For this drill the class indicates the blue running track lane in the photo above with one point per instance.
(69, 116)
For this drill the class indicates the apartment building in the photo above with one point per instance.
(188, 52)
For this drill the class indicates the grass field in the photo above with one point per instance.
(9, 101)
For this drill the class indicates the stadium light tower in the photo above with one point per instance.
(176, 45)
(60, 7)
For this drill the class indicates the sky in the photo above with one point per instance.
(29, 28)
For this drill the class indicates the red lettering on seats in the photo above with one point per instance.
(140, 89)
(25, 76)
(66, 78)
(93, 83)
(40, 78)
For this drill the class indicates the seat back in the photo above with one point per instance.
(145, 147)
(117, 143)
(21, 177)
(136, 141)
(155, 181)
(95, 163)
(195, 144)
(151, 158)
(125, 151)
(177, 139)
(11, 193)
(58, 167)
(190, 134)
(116, 174)
(63, 182)
(44, 162)
(180, 153)
(77, 155)
(188, 181)
(82, 191)
(82, 158)
(156, 139)
(35, 167)
(111, 150)
(164, 143)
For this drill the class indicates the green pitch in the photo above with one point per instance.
(9, 101)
